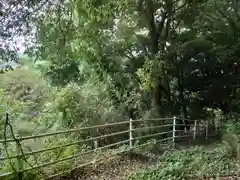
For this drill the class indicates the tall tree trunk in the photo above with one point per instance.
(158, 34)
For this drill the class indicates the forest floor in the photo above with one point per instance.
(116, 168)
(122, 166)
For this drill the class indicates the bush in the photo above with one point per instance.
(23, 94)
(29, 101)
(89, 105)
(233, 124)
(232, 135)
(233, 144)
(35, 108)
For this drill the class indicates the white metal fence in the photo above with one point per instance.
(176, 131)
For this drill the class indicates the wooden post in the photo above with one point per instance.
(130, 134)
(19, 160)
(194, 129)
(174, 130)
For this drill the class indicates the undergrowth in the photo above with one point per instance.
(191, 164)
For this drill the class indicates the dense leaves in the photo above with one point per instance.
(167, 55)
(91, 62)
(182, 58)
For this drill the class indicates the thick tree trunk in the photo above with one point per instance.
(158, 31)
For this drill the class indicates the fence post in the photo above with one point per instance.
(130, 134)
(174, 130)
(19, 160)
(206, 129)
(194, 130)
(185, 126)
(95, 144)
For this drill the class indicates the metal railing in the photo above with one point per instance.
(20, 156)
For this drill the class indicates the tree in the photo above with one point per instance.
(175, 54)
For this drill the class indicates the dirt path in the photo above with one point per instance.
(117, 168)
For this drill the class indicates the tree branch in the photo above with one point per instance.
(183, 14)
(230, 21)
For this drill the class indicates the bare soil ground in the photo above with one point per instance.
(117, 168)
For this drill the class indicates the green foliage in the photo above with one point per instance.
(62, 73)
(147, 76)
(232, 140)
(232, 135)
(233, 124)
(21, 85)
(86, 105)
(192, 163)
(26, 96)
(23, 99)
(24, 176)
(99, 62)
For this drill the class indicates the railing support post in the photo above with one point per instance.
(185, 129)
(95, 144)
(130, 133)
(194, 130)
(174, 131)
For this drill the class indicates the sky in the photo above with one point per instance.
(20, 44)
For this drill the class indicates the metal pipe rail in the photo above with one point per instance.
(80, 154)
(152, 119)
(130, 140)
(120, 152)
(152, 127)
(63, 132)
(85, 140)
(80, 129)
(69, 144)
(81, 141)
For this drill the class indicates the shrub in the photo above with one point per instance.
(88, 105)
(233, 124)
(233, 144)
(23, 94)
